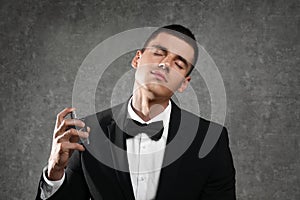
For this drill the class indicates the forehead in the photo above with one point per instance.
(174, 45)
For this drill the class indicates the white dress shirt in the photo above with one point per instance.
(145, 158)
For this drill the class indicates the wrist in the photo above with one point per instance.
(55, 174)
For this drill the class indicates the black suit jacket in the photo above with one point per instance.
(100, 171)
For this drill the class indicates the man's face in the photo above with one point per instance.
(164, 64)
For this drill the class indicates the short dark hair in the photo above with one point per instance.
(180, 32)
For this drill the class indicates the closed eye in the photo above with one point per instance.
(158, 51)
(157, 54)
(179, 66)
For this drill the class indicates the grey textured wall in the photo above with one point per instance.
(255, 44)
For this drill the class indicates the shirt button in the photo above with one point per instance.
(141, 178)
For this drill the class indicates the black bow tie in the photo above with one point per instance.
(154, 130)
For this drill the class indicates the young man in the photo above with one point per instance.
(139, 164)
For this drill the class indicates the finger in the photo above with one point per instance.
(150, 95)
(66, 123)
(67, 146)
(85, 131)
(145, 105)
(147, 93)
(60, 116)
(74, 122)
(72, 134)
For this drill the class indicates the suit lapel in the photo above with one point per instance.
(177, 143)
(118, 151)
(168, 173)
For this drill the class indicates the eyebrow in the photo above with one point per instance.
(166, 50)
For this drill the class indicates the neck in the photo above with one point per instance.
(147, 106)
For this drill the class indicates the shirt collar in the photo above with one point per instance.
(163, 116)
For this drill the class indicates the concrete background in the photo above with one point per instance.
(255, 44)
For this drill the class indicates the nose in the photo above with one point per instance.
(164, 67)
(165, 64)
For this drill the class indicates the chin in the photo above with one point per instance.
(159, 90)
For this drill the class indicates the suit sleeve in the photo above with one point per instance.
(221, 182)
(74, 186)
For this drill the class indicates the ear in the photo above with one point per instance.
(184, 84)
(136, 58)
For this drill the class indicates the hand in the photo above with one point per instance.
(141, 99)
(145, 104)
(65, 141)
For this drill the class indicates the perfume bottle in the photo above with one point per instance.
(83, 140)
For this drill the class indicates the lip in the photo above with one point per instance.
(158, 75)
